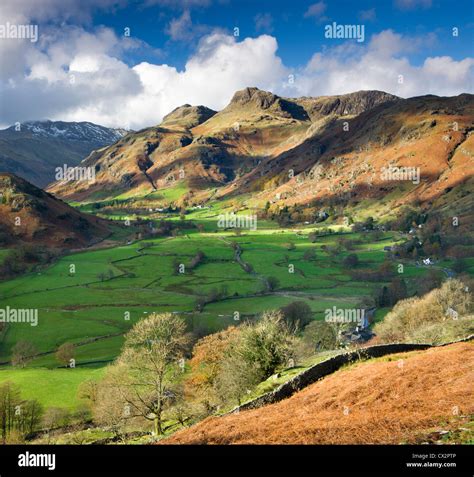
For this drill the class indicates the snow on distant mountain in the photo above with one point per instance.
(34, 149)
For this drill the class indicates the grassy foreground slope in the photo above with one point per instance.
(400, 398)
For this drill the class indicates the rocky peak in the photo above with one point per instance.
(188, 116)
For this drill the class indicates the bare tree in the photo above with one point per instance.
(65, 353)
(150, 362)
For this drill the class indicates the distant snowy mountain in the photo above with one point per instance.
(83, 131)
(34, 149)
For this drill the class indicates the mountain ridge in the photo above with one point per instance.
(267, 146)
(34, 149)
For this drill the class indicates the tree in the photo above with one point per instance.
(410, 318)
(255, 354)
(65, 353)
(297, 315)
(55, 417)
(29, 415)
(208, 355)
(9, 400)
(320, 336)
(351, 261)
(18, 417)
(397, 290)
(273, 283)
(22, 353)
(369, 223)
(383, 298)
(149, 364)
(459, 266)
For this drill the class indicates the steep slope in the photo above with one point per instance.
(316, 153)
(34, 151)
(380, 401)
(30, 215)
(343, 161)
(208, 149)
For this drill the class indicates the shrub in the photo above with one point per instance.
(297, 315)
(351, 261)
(408, 319)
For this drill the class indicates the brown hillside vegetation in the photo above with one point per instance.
(30, 215)
(395, 399)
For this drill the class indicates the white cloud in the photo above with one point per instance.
(74, 74)
(180, 28)
(264, 22)
(316, 10)
(380, 65)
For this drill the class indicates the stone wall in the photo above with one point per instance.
(320, 370)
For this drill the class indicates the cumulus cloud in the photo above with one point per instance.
(80, 75)
(382, 65)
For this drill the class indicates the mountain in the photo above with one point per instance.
(369, 403)
(210, 149)
(38, 147)
(187, 116)
(298, 152)
(30, 215)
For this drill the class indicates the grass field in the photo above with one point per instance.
(92, 298)
(51, 387)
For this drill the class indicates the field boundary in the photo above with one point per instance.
(329, 366)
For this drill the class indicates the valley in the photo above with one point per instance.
(272, 207)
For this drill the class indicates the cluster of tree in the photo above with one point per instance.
(293, 214)
(367, 224)
(24, 351)
(226, 366)
(213, 295)
(24, 257)
(351, 261)
(444, 314)
(383, 273)
(146, 382)
(391, 294)
(408, 218)
(18, 417)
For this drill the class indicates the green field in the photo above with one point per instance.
(92, 298)
(51, 387)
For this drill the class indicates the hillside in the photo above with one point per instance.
(208, 149)
(39, 147)
(30, 215)
(311, 152)
(396, 399)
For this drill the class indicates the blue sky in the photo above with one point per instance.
(184, 51)
(299, 34)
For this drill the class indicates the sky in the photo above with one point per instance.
(127, 63)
